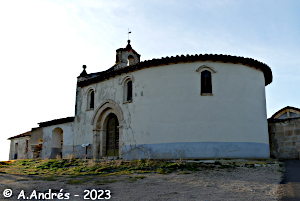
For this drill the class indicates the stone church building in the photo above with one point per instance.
(182, 107)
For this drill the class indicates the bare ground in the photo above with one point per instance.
(241, 183)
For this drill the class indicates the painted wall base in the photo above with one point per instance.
(55, 152)
(79, 151)
(67, 151)
(196, 150)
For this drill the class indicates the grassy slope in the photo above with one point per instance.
(72, 170)
(75, 167)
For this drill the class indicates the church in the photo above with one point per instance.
(180, 107)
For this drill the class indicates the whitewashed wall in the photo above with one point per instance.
(168, 118)
(68, 136)
(21, 150)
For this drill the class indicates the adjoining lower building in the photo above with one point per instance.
(193, 106)
(284, 131)
(57, 138)
(19, 146)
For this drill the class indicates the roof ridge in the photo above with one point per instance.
(28, 133)
(111, 72)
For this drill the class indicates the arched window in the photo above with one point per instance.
(126, 83)
(206, 73)
(293, 115)
(206, 87)
(129, 91)
(91, 100)
(283, 116)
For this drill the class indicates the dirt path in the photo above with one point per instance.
(242, 183)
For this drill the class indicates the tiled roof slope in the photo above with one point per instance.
(56, 121)
(21, 135)
(111, 72)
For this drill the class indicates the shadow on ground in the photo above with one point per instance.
(290, 185)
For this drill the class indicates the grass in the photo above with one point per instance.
(99, 172)
(73, 168)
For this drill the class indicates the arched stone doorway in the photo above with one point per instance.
(112, 136)
(57, 143)
(107, 136)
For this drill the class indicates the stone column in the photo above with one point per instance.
(96, 141)
(120, 141)
(102, 143)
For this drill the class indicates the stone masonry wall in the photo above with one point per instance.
(285, 138)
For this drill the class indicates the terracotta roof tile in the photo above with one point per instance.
(20, 135)
(111, 72)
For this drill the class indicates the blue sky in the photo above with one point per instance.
(44, 44)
